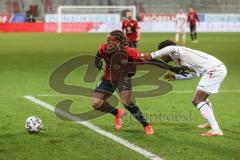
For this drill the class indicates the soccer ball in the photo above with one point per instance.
(33, 124)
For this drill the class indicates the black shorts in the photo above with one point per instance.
(132, 44)
(108, 87)
(192, 28)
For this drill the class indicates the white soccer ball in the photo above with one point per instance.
(33, 124)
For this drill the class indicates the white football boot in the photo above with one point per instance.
(205, 125)
(212, 133)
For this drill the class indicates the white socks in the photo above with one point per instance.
(184, 38)
(207, 113)
(177, 37)
(209, 103)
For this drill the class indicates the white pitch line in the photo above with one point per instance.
(221, 91)
(109, 135)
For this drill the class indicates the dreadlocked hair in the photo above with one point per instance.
(119, 35)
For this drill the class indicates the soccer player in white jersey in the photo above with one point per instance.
(181, 24)
(211, 70)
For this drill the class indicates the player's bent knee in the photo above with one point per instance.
(195, 101)
(96, 102)
(127, 103)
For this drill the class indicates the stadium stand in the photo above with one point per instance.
(152, 6)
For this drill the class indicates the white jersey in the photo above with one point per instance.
(199, 61)
(181, 20)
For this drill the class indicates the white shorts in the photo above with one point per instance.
(181, 30)
(212, 79)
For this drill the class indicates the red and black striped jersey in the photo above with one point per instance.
(193, 18)
(114, 62)
(130, 27)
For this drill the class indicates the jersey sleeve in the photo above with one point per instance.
(176, 19)
(164, 51)
(188, 17)
(123, 25)
(134, 53)
(101, 50)
(136, 25)
(196, 16)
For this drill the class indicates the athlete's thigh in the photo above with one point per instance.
(125, 90)
(200, 96)
(178, 30)
(100, 95)
(194, 28)
(211, 81)
(183, 31)
(126, 96)
(104, 90)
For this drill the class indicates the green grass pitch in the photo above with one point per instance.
(28, 59)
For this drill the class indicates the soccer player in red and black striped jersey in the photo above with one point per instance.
(114, 52)
(193, 19)
(117, 75)
(131, 30)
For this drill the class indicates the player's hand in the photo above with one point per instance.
(183, 70)
(169, 77)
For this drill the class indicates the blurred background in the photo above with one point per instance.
(160, 11)
(41, 7)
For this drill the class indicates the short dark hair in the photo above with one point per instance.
(165, 44)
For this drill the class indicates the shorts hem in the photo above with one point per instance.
(208, 92)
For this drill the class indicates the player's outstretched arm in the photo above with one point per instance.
(159, 63)
(138, 35)
(182, 70)
(172, 77)
(98, 61)
(149, 60)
